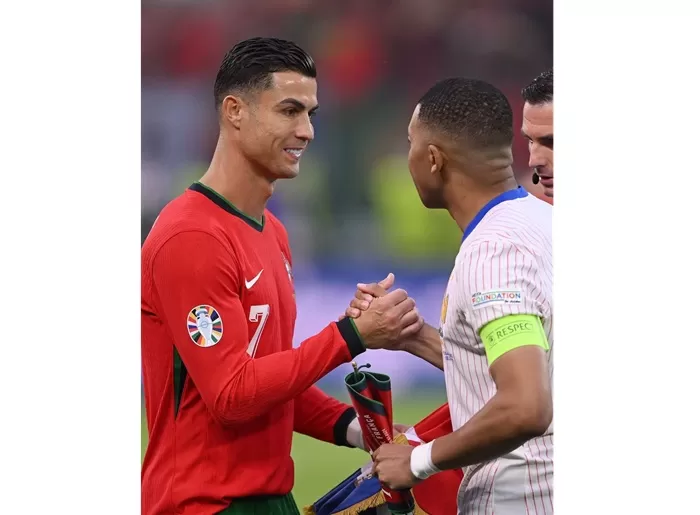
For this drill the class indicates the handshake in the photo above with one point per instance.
(384, 320)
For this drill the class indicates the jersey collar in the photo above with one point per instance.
(518, 192)
(224, 204)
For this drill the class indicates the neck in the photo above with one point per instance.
(470, 197)
(233, 177)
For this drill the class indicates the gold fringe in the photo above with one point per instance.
(376, 500)
(372, 502)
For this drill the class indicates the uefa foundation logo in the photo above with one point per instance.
(205, 326)
(490, 298)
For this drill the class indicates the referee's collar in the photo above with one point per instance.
(518, 192)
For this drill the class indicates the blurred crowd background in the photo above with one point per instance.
(353, 213)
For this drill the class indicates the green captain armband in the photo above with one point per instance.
(510, 332)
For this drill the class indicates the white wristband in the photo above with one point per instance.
(354, 435)
(422, 465)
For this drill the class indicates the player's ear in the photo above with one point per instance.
(437, 159)
(232, 110)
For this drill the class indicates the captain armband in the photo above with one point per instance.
(510, 332)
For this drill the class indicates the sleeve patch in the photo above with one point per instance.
(510, 332)
(489, 298)
(205, 326)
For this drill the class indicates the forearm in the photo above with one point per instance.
(322, 417)
(266, 382)
(501, 426)
(427, 345)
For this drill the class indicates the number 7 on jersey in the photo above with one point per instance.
(257, 314)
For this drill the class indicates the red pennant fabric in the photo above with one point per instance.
(370, 394)
(436, 495)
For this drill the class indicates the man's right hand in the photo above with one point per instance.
(366, 296)
(420, 339)
(388, 319)
(362, 299)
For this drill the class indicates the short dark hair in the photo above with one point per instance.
(249, 65)
(468, 108)
(540, 90)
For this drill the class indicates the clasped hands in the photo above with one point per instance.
(384, 319)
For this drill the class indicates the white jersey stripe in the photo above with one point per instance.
(549, 446)
(539, 455)
(532, 488)
(538, 477)
(478, 494)
(543, 453)
(548, 473)
(463, 328)
(490, 489)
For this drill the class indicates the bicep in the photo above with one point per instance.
(199, 304)
(523, 368)
(516, 349)
(522, 383)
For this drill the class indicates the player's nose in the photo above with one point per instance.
(305, 129)
(536, 158)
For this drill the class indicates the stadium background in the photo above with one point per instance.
(352, 214)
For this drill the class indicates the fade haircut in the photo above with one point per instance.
(249, 65)
(540, 90)
(470, 110)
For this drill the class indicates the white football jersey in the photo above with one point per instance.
(504, 267)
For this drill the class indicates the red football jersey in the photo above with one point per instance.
(224, 388)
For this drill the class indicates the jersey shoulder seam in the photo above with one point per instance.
(505, 240)
(178, 232)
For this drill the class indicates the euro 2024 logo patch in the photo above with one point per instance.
(205, 326)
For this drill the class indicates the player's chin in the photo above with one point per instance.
(288, 171)
(430, 200)
(428, 197)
